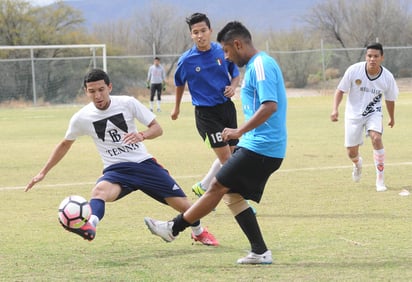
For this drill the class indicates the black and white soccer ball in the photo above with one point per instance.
(74, 211)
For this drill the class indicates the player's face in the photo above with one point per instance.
(374, 60)
(201, 36)
(99, 93)
(232, 52)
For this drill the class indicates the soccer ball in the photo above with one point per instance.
(74, 211)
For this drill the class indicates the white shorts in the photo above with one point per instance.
(356, 129)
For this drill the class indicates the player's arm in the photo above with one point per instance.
(153, 130)
(265, 110)
(336, 102)
(230, 90)
(390, 106)
(58, 153)
(178, 99)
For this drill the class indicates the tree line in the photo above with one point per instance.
(160, 29)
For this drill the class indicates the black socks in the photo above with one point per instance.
(248, 222)
(180, 224)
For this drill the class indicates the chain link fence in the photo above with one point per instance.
(56, 76)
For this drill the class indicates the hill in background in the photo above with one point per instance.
(256, 15)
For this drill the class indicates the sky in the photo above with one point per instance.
(41, 2)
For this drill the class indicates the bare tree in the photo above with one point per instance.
(293, 52)
(162, 30)
(354, 23)
(23, 24)
(16, 17)
(118, 36)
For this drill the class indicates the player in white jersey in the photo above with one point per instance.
(128, 166)
(367, 85)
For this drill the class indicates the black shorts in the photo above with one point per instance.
(210, 122)
(155, 88)
(246, 173)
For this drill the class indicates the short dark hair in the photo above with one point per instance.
(96, 75)
(375, 46)
(197, 18)
(157, 58)
(232, 30)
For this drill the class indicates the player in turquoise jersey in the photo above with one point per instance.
(259, 153)
(263, 82)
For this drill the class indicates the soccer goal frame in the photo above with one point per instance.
(93, 48)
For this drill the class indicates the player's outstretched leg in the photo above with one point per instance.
(163, 229)
(87, 231)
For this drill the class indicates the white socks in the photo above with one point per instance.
(216, 165)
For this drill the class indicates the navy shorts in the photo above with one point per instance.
(247, 172)
(148, 176)
(210, 122)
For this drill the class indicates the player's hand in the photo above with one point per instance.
(334, 116)
(231, 133)
(39, 177)
(132, 137)
(174, 114)
(229, 91)
(391, 123)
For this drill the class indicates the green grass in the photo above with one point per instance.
(319, 225)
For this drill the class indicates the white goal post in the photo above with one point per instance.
(92, 57)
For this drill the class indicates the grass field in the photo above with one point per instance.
(319, 225)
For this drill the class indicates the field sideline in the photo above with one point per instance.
(319, 225)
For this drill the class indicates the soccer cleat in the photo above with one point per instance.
(380, 186)
(87, 231)
(205, 238)
(357, 171)
(163, 229)
(198, 189)
(252, 258)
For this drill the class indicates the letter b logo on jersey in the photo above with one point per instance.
(115, 135)
(101, 125)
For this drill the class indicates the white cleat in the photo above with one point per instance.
(380, 185)
(163, 229)
(252, 258)
(357, 171)
(381, 188)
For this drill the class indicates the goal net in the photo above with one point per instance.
(47, 74)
